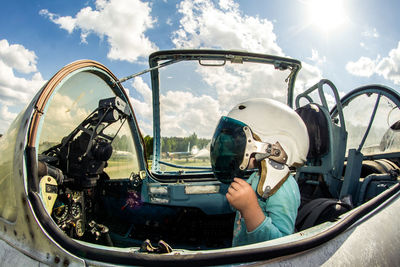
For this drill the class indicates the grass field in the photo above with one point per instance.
(121, 168)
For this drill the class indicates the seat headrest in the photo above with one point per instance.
(317, 127)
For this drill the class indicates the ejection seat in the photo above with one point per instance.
(325, 160)
(320, 179)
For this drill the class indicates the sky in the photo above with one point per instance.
(350, 42)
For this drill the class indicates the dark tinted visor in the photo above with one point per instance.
(227, 149)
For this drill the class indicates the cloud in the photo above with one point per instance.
(186, 114)
(143, 109)
(67, 23)
(16, 91)
(205, 25)
(62, 116)
(364, 67)
(315, 57)
(17, 57)
(388, 67)
(122, 22)
(6, 115)
(237, 82)
(178, 111)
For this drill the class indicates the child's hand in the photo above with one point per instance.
(241, 195)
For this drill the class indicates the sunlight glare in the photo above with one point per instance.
(327, 14)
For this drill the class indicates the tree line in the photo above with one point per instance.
(176, 144)
(168, 144)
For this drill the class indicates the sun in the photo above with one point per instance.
(327, 14)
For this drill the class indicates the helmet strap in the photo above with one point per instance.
(272, 177)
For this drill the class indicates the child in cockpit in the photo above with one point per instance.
(271, 137)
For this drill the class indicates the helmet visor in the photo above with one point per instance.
(227, 149)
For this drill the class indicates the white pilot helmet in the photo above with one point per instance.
(274, 123)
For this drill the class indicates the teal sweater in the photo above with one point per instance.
(280, 212)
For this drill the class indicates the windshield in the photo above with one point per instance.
(380, 136)
(194, 94)
(76, 98)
